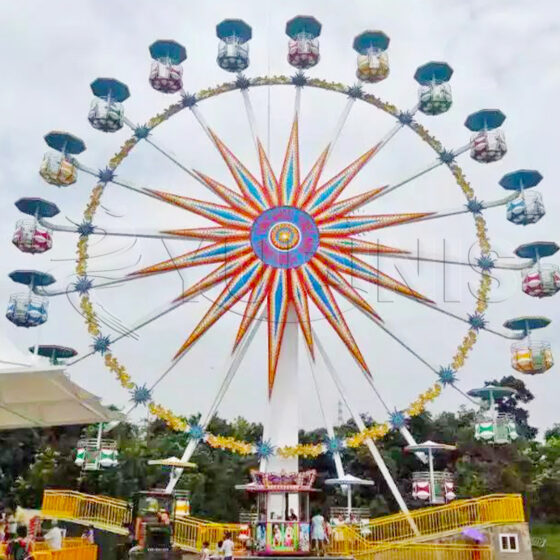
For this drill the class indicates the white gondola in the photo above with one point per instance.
(57, 167)
(491, 425)
(303, 47)
(530, 356)
(488, 143)
(434, 487)
(435, 92)
(166, 72)
(233, 50)
(106, 112)
(30, 237)
(373, 61)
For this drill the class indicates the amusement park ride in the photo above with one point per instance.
(282, 241)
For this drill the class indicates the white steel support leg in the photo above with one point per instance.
(283, 415)
(328, 425)
(432, 478)
(369, 442)
(234, 362)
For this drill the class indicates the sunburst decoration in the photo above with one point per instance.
(286, 241)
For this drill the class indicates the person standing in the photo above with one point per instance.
(318, 534)
(89, 535)
(12, 523)
(227, 547)
(54, 536)
(205, 553)
(19, 548)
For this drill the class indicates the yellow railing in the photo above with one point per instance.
(83, 552)
(103, 512)
(191, 533)
(430, 552)
(380, 535)
(433, 521)
(71, 548)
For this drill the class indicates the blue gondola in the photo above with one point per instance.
(528, 207)
(28, 309)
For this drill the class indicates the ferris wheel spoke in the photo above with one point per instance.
(474, 206)
(231, 368)
(211, 254)
(466, 320)
(248, 185)
(322, 296)
(236, 288)
(378, 458)
(352, 225)
(360, 247)
(256, 300)
(326, 422)
(526, 263)
(434, 165)
(218, 189)
(223, 215)
(351, 265)
(195, 234)
(229, 256)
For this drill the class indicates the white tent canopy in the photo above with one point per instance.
(41, 397)
(34, 394)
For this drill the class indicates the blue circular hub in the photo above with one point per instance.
(284, 237)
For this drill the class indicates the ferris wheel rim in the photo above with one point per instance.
(188, 101)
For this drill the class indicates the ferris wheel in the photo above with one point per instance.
(287, 242)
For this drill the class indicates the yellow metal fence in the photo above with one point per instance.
(430, 552)
(103, 512)
(380, 536)
(433, 521)
(72, 549)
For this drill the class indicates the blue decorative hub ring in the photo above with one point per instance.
(284, 237)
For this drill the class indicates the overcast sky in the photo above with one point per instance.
(505, 54)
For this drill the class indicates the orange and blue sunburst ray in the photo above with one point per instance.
(232, 198)
(220, 274)
(323, 298)
(348, 205)
(324, 196)
(352, 245)
(289, 180)
(278, 302)
(351, 225)
(235, 289)
(349, 264)
(298, 296)
(256, 299)
(249, 186)
(342, 286)
(215, 253)
(223, 215)
(309, 184)
(269, 181)
(210, 234)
